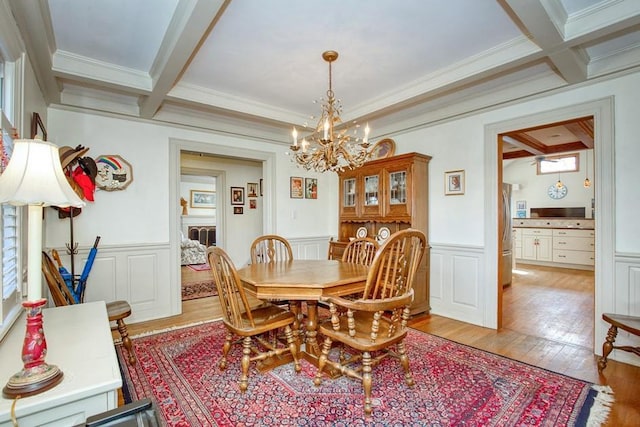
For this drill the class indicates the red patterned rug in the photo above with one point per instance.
(455, 385)
(198, 289)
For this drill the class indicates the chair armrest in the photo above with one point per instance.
(370, 305)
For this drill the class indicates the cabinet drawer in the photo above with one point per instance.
(573, 233)
(574, 243)
(537, 232)
(574, 257)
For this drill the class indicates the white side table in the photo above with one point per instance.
(79, 342)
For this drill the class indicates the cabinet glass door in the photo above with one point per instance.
(371, 186)
(398, 188)
(349, 192)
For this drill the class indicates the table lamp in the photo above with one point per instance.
(34, 177)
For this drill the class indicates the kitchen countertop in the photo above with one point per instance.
(570, 223)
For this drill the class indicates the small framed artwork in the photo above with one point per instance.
(253, 203)
(237, 210)
(37, 127)
(252, 189)
(203, 199)
(521, 205)
(310, 188)
(237, 196)
(296, 187)
(454, 183)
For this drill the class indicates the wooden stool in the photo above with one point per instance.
(630, 324)
(117, 312)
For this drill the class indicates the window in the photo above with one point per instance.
(555, 164)
(10, 230)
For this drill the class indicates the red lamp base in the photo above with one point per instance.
(36, 376)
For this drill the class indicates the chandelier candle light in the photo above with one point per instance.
(335, 150)
(34, 177)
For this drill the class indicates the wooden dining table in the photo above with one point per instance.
(304, 280)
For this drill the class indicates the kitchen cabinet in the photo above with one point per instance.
(517, 242)
(537, 244)
(574, 246)
(392, 193)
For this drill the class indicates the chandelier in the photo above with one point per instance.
(330, 147)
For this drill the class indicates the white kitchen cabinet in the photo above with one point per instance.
(517, 242)
(537, 244)
(574, 246)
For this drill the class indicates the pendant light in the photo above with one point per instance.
(587, 182)
(559, 184)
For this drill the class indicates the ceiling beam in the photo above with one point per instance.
(191, 24)
(547, 30)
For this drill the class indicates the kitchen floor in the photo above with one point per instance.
(552, 303)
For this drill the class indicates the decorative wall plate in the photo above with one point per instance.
(361, 232)
(383, 234)
(114, 172)
(383, 149)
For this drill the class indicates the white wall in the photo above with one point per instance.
(533, 187)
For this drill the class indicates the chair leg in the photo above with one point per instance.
(404, 361)
(246, 359)
(322, 360)
(607, 347)
(366, 381)
(225, 351)
(126, 341)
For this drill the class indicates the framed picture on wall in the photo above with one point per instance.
(237, 195)
(296, 187)
(310, 188)
(237, 210)
(203, 199)
(454, 183)
(252, 189)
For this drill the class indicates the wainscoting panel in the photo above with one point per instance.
(139, 274)
(310, 247)
(455, 278)
(626, 301)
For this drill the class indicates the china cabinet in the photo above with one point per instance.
(390, 193)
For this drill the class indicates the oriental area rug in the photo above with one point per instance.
(455, 385)
(197, 283)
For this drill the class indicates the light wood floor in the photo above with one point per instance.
(549, 324)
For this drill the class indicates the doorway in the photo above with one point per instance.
(602, 111)
(553, 302)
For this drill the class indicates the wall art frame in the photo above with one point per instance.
(454, 183)
(203, 199)
(311, 188)
(296, 187)
(237, 196)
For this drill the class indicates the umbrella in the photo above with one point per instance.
(68, 277)
(82, 280)
(77, 284)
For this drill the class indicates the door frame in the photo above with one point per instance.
(602, 112)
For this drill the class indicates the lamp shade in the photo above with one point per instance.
(34, 176)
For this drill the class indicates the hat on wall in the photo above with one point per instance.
(68, 155)
(89, 167)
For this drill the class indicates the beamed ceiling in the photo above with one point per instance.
(253, 68)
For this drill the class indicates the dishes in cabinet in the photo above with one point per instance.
(383, 235)
(361, 233)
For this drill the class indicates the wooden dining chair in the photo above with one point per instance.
(360, 251)
(251, 325)
(270, 247)
(375, 324)
(117, 311)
